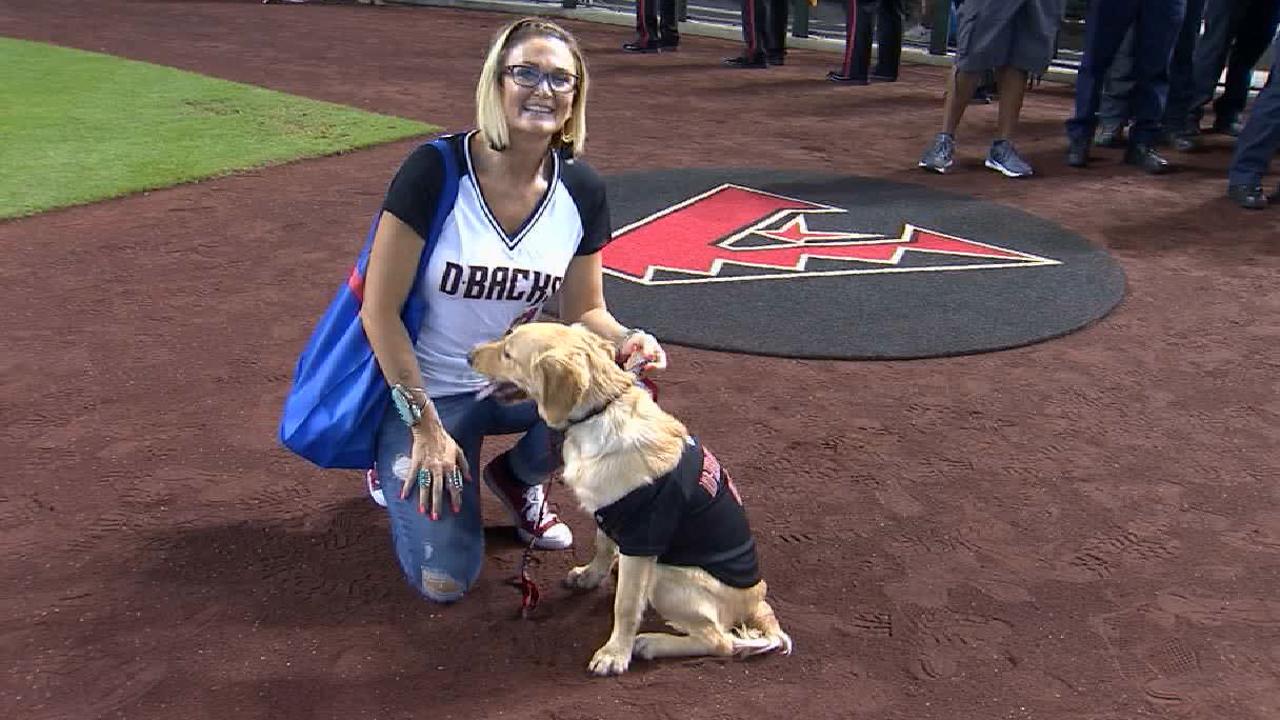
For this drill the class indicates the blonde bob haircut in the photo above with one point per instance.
(490, 117)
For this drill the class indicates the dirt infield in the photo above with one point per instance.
(1087, 529)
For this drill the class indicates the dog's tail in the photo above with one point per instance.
(761, 633)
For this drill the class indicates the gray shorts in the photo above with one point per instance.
(991, 34)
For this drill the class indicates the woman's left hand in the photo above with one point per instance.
(641, 351)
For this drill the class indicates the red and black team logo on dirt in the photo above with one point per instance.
(750, 228)
(806, 265)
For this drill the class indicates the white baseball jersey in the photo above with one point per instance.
(481, 281)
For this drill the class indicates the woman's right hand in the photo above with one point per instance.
(437, 464)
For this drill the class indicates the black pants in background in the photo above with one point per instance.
(1117, 92)
(887, 18)
(649, 30)
(1155, 26)
(1241, 29)
(764, 28)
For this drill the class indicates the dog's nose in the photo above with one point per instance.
(471, 357)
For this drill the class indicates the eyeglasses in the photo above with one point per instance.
(531, 77)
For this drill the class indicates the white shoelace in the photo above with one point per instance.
(533, 506)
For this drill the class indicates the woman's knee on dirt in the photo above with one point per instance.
(443, 579)
(441, 587)
(441, 558)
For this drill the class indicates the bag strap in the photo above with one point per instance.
(416, 306)
(444, 204)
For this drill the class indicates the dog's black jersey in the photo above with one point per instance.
(692, 516)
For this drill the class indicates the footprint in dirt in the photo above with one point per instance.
(1167, 691)
(1129, 549)
(1214, 612)
(945, 639)
(933, 666)
(1185, 677)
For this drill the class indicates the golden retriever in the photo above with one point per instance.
(617, 442)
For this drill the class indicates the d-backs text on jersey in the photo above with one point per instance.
(478, 282)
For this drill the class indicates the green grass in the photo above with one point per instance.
(77, 126)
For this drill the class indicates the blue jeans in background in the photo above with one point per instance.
(1259, 141)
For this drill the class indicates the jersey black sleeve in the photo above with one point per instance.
(588, 192)
(415, 188)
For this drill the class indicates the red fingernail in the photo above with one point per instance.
(434, 516)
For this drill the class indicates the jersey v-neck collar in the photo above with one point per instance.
(511, 241)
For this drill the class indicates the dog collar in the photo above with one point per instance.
(570, 423)
(642, 382)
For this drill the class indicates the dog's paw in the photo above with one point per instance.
(748, 646)
(610, 660)
(583, 578)
(645, 647)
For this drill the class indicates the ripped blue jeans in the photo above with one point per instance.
(442, 558)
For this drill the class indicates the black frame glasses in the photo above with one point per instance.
(529, 76)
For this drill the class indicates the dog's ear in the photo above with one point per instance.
(599, 356)
(561, 383)
(594, 343)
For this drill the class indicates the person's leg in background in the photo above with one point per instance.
(1257, 28)
(1002, 156)
(979, 24)
(1104, 30)
(1115, 109)
(889, 19)
(1221, 20)
(669, 25)
(646, 28)
(1182, 134)
(754, 22)
(1258, 143)
(1158, 24)
(775, 40)
(1034, 27)
(985, 88)
(857, 43)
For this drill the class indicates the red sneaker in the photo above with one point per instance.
(374, 487)
(535, 522)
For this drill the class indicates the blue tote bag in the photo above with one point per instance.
(333, 410)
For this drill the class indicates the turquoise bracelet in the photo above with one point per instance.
(402, 398)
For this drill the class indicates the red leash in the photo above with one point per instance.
(528, 588)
